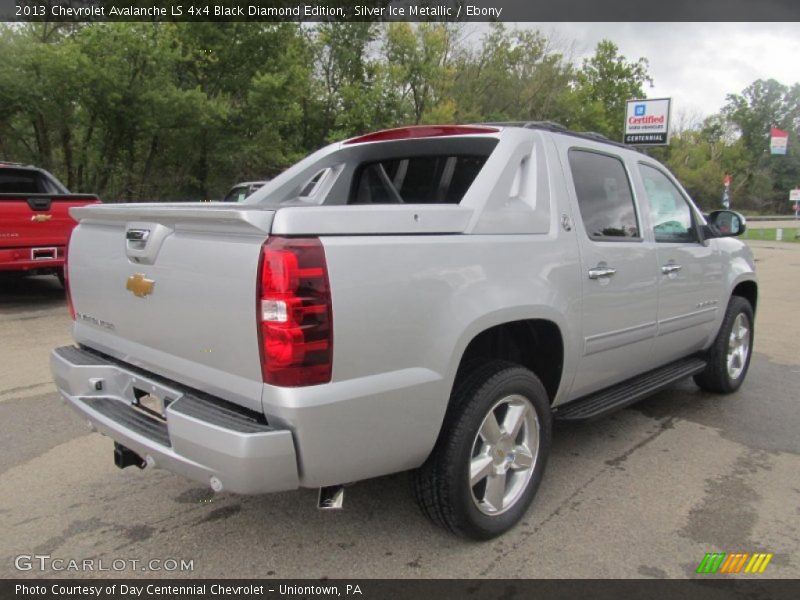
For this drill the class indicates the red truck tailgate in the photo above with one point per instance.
(35, 228)
(37, 220)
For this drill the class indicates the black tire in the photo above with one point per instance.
(716, 378)
(442, 487)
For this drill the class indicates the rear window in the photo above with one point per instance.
(26, 181)
(436, 179)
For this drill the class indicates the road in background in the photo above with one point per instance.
(785, 224)
(643, 493)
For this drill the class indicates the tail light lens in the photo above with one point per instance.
(295, 321)
(70, 306)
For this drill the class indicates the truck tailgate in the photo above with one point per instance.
(37, 220)
(172, 289)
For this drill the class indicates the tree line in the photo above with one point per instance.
(181, 111)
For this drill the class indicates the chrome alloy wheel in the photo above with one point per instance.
(504, 455)
(738, 346)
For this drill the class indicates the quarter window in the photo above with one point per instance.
(604, 195)
(669, 211)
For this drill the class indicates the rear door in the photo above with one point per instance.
(619, 270)
(690, 272)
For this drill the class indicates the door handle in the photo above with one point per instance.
(137, 235)
(670, 268)
(601, 272)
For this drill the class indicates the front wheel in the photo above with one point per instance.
(729, 356)
(491, 453)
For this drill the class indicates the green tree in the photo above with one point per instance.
(512, 75)
(766, 179)
(420, 65)
(602, 86)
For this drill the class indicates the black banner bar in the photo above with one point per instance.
(401, 10)
(703, 588)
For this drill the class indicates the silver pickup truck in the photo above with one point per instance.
(424, 298)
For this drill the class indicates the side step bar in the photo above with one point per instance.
(628, 392)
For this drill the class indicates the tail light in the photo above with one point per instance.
(70, 305)
(295, 321)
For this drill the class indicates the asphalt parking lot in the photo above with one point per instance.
(644, 493)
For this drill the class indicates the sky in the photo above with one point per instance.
(696, 64)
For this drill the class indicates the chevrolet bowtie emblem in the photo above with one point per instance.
(140, 285)
(41, 218)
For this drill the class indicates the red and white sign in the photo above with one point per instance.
(647, 122)
(794, 195)
(778, 141)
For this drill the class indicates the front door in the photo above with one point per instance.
(690, 272)
(619, 272)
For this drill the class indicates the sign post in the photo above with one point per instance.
(647, 122)
(726, 192)
(794, 196)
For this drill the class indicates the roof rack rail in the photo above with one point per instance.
(559, 128)
(594, 134)
(546, 125)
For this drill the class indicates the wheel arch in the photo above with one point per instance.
(535, 343)
(747, 289)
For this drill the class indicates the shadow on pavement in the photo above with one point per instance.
(30, 293)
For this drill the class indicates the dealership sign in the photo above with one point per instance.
(647, 122)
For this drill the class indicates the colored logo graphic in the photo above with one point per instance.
(738, 562)
(638, 110)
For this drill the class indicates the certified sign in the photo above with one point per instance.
(647, 122)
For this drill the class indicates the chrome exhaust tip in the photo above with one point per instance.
(331, 497)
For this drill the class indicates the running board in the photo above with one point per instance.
(628, 392)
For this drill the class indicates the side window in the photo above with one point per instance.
(604, 196)
(671, 215)
(314, 183)
(48, 186)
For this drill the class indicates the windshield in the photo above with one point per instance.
(237, 194)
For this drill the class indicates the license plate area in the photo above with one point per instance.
(43, 253)
(152, 403)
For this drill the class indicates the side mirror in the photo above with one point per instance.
(724, 223)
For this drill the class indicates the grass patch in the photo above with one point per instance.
(768, 234)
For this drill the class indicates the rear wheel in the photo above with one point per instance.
(729, 356)
(491, 453)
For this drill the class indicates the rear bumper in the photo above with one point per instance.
(202, 437)
(22, 259)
